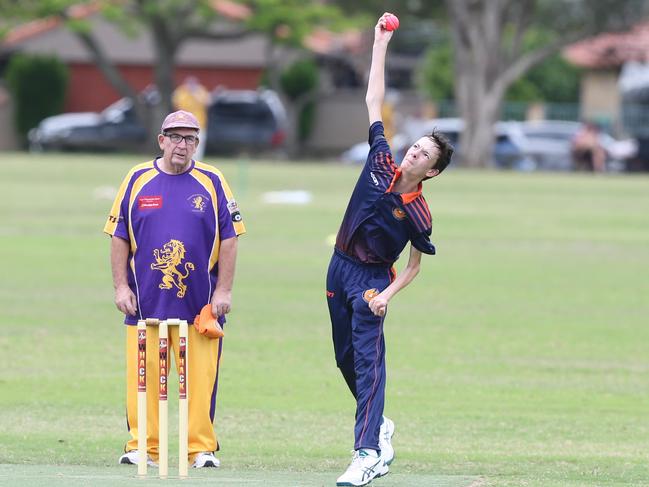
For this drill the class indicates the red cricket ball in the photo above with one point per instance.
(391, 22)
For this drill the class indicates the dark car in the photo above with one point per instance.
(245, 121)
(115, 128)
(239, 120)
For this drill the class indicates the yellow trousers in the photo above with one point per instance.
(203, 357)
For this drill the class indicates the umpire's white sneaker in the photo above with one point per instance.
(133, 457)
(366, 466)
(385, 440)
(206, 459)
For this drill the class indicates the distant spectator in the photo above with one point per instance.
(193, 97)
(587, 151)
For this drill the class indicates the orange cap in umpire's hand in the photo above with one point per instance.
(180, 119)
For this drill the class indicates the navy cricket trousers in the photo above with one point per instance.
(358, 339)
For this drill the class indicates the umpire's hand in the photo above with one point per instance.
(125, 300)
(221, 302)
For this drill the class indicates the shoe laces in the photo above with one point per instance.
(357, 457)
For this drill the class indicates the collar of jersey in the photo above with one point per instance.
(405, 197)
(156, 165)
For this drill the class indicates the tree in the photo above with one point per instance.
(489, 50)
(37, 84)
(552, 80)
(286, 24)
(297, 80)
(435, 75)
(171, 23)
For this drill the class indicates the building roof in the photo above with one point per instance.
(611, 50)
(323, 41)
(47, 36)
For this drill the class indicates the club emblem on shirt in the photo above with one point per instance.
(198, 202)
(167, 261)
(370, 294)
(398, 213)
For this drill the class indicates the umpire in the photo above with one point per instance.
(174, 227)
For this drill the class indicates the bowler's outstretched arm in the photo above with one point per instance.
(376, 82)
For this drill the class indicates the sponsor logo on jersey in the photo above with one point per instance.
(149, 202)
(370, 294)
(376, 181)
(232, 206)
(398, 213)
(198, 202)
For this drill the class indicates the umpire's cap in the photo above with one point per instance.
(180, 119)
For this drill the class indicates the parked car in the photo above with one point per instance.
(524, 146)
(115, 128)
(245, 120)
(505, 154)
(548, 144)
(238, 120)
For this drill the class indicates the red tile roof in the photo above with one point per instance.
(39, 26)
(320, 41)
(611, 50)
(323, 41)
(22, 32)
(232, 10)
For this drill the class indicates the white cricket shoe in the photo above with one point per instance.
(206, 459)
(366, 466)
(385, 440)
(133, 457)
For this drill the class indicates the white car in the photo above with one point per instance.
(524, 146)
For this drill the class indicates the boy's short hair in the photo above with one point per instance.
(445, 150)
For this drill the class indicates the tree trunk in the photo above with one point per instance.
(477, 31)
(480, 111)
(489, 56)
(166, 47)
(477, 141)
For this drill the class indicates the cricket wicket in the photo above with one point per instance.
(163, 412)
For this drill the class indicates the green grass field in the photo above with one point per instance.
(518, 357)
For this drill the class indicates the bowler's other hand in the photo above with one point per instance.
(378, 305)
(221, 303)
(380, 32)
(125, 300)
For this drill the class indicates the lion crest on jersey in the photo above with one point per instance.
(167, 261)
(199, 203)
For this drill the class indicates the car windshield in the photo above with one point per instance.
(118, 111)
(243, 111)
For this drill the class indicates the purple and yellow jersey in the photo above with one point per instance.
(378, 222)
(175, 224)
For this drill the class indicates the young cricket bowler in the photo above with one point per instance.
(385, 212)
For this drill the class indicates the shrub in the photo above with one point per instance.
(38, 85)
